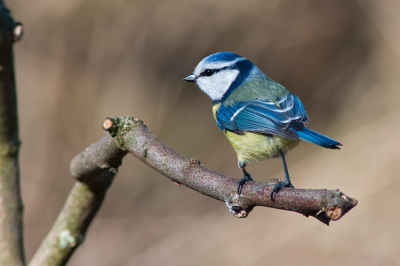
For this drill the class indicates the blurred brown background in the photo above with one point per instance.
(81, 61)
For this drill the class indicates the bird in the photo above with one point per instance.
(260, 117)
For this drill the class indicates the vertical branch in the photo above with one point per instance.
(11, 244)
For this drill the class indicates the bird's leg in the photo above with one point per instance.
(285, 183)
(246, 177)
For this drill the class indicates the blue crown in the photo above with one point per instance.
(222, 56)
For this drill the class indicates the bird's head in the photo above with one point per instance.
(221, 73)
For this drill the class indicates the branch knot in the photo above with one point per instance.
(238, 208)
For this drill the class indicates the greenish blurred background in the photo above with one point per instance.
(82, 61)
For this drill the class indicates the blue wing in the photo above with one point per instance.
(282, 118)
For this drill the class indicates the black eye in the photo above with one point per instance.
(209, 72)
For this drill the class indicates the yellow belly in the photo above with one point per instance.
(254, 147)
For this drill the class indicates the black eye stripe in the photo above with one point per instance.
(209, 72)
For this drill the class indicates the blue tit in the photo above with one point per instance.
(260, 117)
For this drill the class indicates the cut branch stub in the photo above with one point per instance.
(10, 31)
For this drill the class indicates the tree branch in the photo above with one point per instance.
(133, 136)
(11, 244)
(94, 169)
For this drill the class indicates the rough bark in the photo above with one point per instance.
(11, 234)
(133, 136)
(96, 167)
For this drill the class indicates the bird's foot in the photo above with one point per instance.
(277, 188)
(242, 181)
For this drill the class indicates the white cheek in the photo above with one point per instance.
(218, 84)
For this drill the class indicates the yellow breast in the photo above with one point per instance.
(254, 147)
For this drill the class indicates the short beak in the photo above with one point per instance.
(190, 78)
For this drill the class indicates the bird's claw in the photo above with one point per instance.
(242, 181)
(278, 187)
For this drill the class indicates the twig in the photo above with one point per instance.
(11, 234)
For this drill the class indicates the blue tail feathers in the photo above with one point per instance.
(317, 138)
